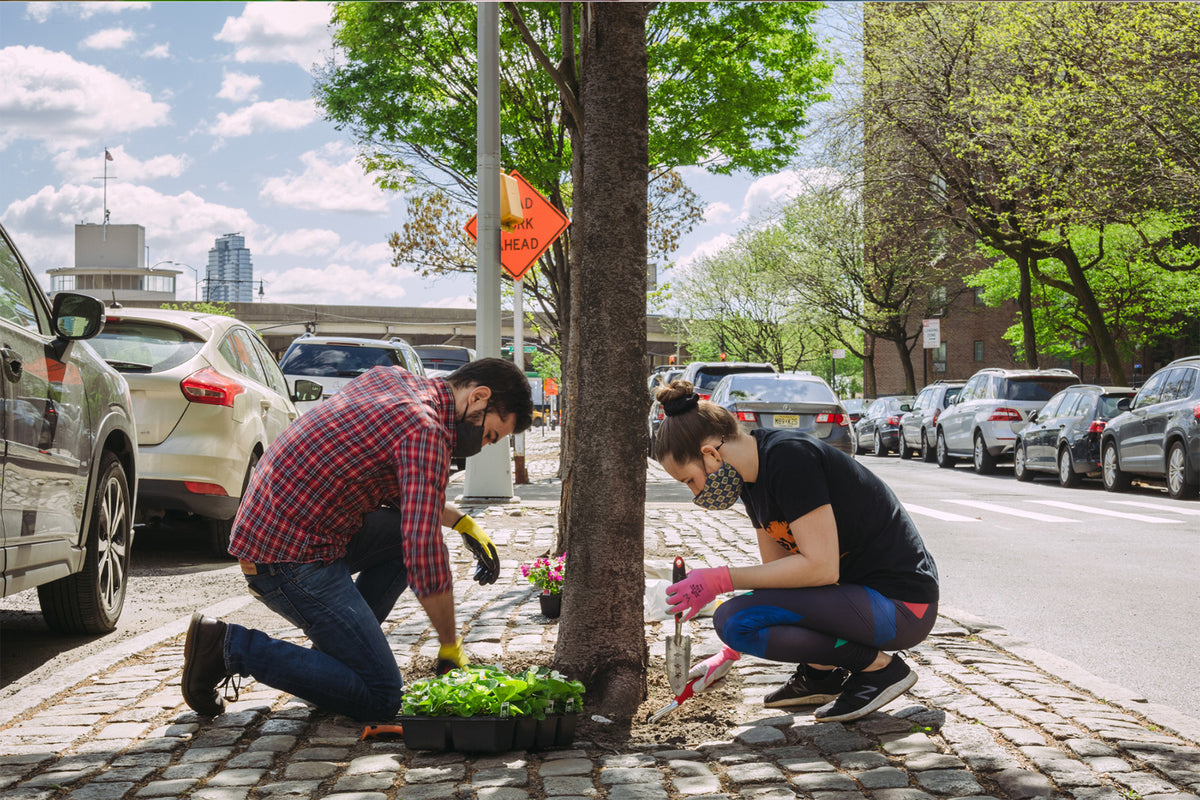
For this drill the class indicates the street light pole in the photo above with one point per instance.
(195, 274)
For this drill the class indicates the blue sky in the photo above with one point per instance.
(207, 111)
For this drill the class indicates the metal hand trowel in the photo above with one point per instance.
(679, 647)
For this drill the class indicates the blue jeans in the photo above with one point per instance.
(350, 669)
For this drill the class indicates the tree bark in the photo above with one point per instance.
(1025, 303)
(606, 479)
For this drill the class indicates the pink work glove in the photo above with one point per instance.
(698, 589)
(712, 669)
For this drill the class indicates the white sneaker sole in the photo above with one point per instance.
(807, 700)
(882, 699)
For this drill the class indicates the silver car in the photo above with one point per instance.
(208, 399)
(334, 361)
(983, 421)
(790, 400)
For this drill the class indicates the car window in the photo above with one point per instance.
(138, 346)
(766, 390)
(1034, 389)
(1178, 385)
(336, 360)
(971, 390)
(951, 393)
(1051, 408)
(1081, 405)
(275, 378)
(18, 303)
(239, 352)
(1108, 406)
(1151, 390)
(413, 361)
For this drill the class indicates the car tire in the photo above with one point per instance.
(1110, 470)
(928, 454)
(877, 449)
(906, 452)
(984, 462)
(944, 459)
(219, 530)
(1067, 476)
(1177, 477)
(1021, 469)
(90, 601)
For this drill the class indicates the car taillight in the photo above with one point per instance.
(893, 420)
(747, 416)
(659, 414)
(1097, 426)
(1196, 411)
(832, 419)
(210, 387)
(196, 487)
(704, 396)
(1004, 414)
(936, 414)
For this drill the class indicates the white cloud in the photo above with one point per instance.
(269, 115)
(337, 283)
(108, 39)
(159, 51)
(239, 87)
(706, 248)
(302, 241)
(74, 165)
(768, 193)
(66, 103)
(717, 213)
(272, 32)
(41, 11)
(332, 181)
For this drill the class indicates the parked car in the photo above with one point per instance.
(70, 466)
(1063, 437)
(334, 361)
(879, 426)
(208, 399)
(656, 413)
(705, 375)
(440, 360)
(661, 376)
(796, 401)
(1159, 436)
(917, 426)
(983, 421)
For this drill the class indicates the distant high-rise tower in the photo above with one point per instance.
(230, 276)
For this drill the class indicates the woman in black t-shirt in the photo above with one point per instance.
(845, 576)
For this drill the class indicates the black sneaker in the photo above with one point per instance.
(866, 691)
(808, 687)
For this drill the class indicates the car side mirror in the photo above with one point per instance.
(905, 407)
(307, 391)
(1123, 404)
(1033, 415)
(77, 316)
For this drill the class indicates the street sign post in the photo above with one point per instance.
(523, 246)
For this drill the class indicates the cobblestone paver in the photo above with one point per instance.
(982, 722)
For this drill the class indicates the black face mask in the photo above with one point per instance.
(468, 437)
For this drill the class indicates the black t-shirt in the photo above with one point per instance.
(879, 545)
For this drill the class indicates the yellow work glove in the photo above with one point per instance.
(451, 656)
(488, 561)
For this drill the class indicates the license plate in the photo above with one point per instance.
(787, 420)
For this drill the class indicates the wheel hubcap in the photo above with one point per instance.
(1064, 466)
(1019, 460)
(1110, 467)
(1175, 470)
(112, 544)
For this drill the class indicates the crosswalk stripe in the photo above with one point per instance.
(1104, 512)
(1016, 512)
(942, 515)
(1193, 512)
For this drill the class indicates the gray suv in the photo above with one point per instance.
(918, 426)
(983, 421)
(69, 458)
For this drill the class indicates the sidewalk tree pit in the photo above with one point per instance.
(483, 709)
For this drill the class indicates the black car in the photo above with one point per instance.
(1159, 436)
(879, 426)
(1063, 437)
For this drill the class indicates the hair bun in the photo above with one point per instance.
(680, 405)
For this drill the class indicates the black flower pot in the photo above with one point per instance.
(551, 604)
(426, 733)
(482, 734)
(524, 733)
(565, 733)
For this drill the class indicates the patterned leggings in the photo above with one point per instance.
(839, 625)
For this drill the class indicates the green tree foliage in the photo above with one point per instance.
(203, 307)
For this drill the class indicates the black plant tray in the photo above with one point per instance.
(488, 734)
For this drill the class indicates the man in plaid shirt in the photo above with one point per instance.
(357, 485)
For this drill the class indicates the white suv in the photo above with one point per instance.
(334, 361)
(983, 421)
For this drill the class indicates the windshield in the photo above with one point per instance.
(135, 346)
(336, 360)
(773, 390)
(708, 380)
(1037, 390)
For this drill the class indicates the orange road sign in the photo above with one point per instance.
(523, 246)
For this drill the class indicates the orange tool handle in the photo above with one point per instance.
(384, 732)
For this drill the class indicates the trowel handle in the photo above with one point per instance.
(678, 571)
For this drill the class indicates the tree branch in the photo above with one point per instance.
(568, 93)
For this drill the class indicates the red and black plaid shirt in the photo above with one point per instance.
(385, 438)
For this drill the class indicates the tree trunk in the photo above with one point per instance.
(1095, 317)
(910, 378)
(601, 638)
(1025, 302)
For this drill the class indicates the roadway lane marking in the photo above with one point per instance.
(1104, 512)
(1016, 512)
(1159, 507)
(942, 515)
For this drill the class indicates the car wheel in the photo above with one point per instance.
(927, 451)
(1114, 479)
(944, 459)
(90, 601)
(1067, 476)
(879, 451)
(985, 462)
(858, 448)
(1177, 483)
(219, 530)
(905, 451)
(1020, 466)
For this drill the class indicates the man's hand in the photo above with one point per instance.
(451, 656)
(488, 560)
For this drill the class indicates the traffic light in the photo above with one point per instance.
(722, 356)
(670, 359)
